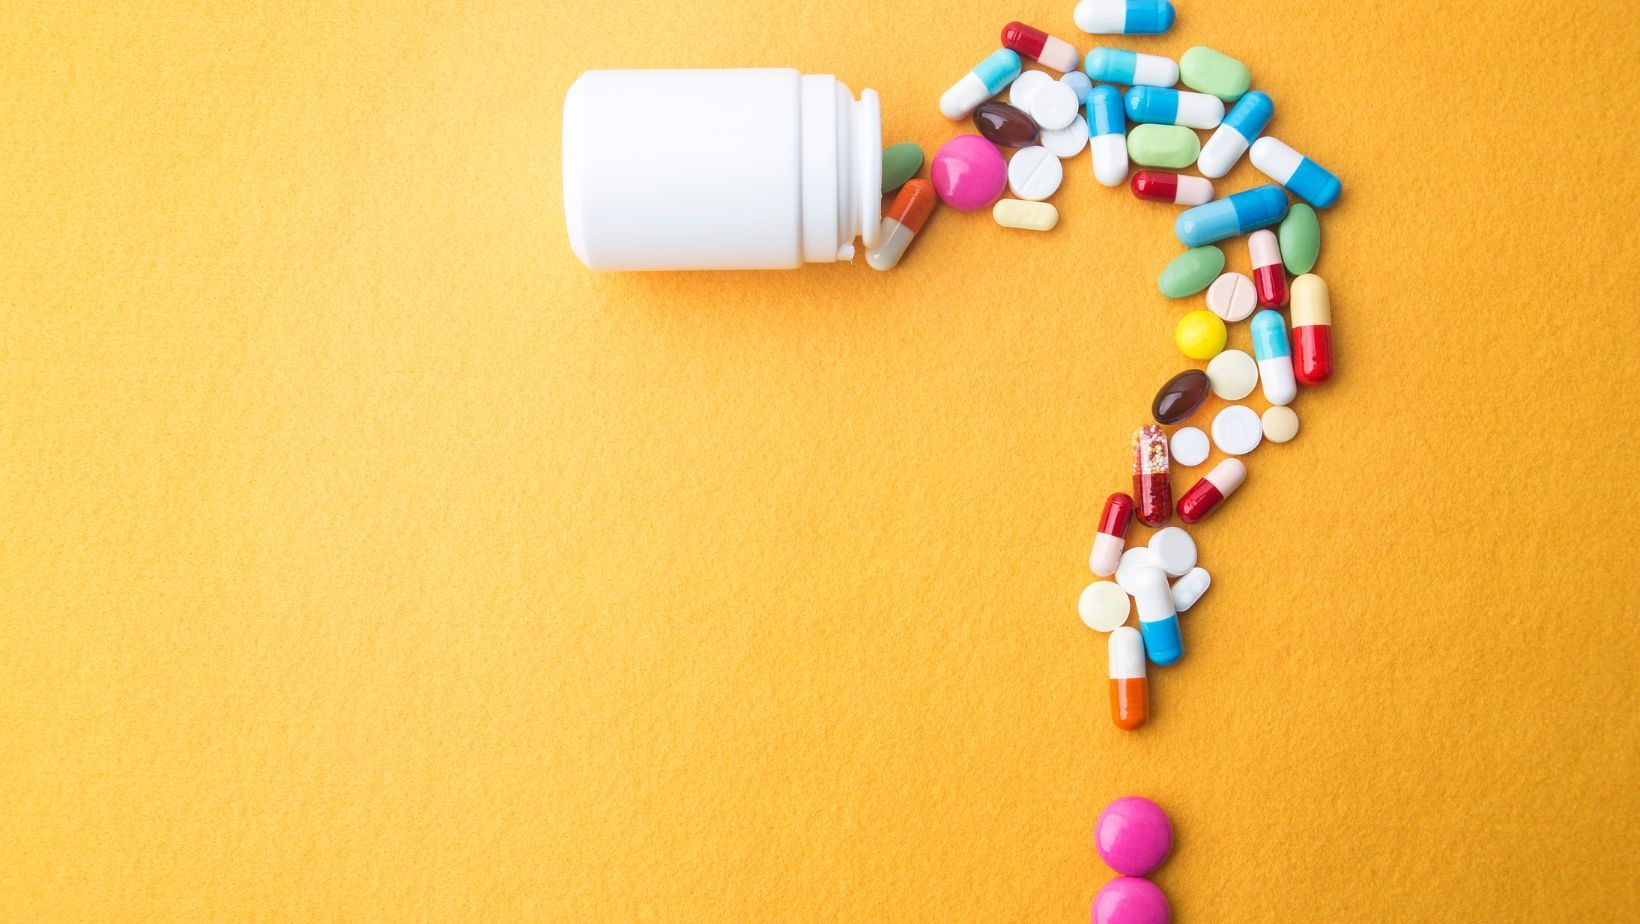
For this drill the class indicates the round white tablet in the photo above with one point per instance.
(1237, 430)
(1189, 446)
(1233, 375)
(1175, 551)
(1025, 86)
(1053, 106)
(1231, 297)
(1034, 173)
(1103, 606)
(1132, 560)
(1280, 424)
(1068, 141)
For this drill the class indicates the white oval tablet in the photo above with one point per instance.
(1133, 560)
(1053, 107)
(1233, 375)
(1034, 173)
(1237, 430)
(1030, 216)
(1068, 141)
(1025, 86)
(1231, 297)
(1189, 446)
(1280, 423)
(1103, 606)
(1175, 551)
(1188, 589)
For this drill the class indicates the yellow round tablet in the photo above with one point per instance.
(1200, 335)
(1280, 424)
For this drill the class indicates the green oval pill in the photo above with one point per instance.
(1163, 145)
(1300, 239)
(1191, 271)
(1208, 71)
(900, 163)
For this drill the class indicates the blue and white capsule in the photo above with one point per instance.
(1249, 210)
(1239, 129)
(987, 79)
(1161, 106)
(1158, 623)
(1131, 68)
(1124, 17)
(1107, 131)
(1274, 352)
(1307, 179)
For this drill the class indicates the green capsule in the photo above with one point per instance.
(1163, 145)
(1300, 239)
(900, 163)
(1191, 271)
(1208, 71)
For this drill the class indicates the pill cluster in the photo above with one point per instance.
(1134, 838)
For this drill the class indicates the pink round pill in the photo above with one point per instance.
(1130, 901)
(968, 172)
(1133, 835)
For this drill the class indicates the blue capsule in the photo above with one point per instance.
(1244, 123)
(1307, 179)
(1245, 211)
(1162, 106)
(1117, 65)
(1124, 17)
(1105, 112)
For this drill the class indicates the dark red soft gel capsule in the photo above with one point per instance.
(1180, 397)
(1005, 126)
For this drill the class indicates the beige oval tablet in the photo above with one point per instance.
(1032, 216)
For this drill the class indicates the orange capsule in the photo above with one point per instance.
(901, 223)
(1129, 690)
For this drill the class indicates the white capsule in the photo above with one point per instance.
(1188, 589)
(1127, 654)
(1110, 159)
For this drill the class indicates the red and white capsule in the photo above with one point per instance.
(1312, 330)
(1113, 528)
(1161, 186)
(1269, 276)
(1218, 484)
(1041, 47)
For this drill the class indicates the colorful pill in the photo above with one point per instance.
(1129, 690)
(1113, 529)
(1275, 357)
(980, 84)
(1215, 486)
(1039, 46)
(1307, 179)
(1238, 130)
(1269, 276)
(1245, 211)
(1152, 494)
(1131, 68)
(904, 218)
(1107, 131)
(1158, 623)
(1124, 17)
(1312, 330)
(1162, 106)
(1160, 186)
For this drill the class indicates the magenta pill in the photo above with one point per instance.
(1130, 901)
(968, 172)
(1133, 836)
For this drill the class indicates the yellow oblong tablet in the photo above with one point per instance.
(1031, 216)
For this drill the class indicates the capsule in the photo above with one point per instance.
(1245, 211)
(1215, 486)
(1160, 186)
(1162, 106)
(1040, 47)
(1312, 330)
(1269, 276)
(1129, 690)
(1152, 494)
(1307, 179)
(1131, 68)
(1190, 588)
(1238, 130)
(904, 218)
(1124, 17)
(980, 84)
(1275, 357)
(1107, 130)
(1158, 623)
(1113, 528)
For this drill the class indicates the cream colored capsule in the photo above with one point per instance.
(1031, 216)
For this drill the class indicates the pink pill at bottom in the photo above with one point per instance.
(1130, 901)
(1133, 835)
(968, 172)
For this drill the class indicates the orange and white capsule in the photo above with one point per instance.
(1312, 330)
(1129, 690)
(901, 223)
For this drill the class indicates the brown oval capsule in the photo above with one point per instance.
(1003, 125)
(1180, 397)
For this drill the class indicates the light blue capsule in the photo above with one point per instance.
(1156, 105)
(998, 69)
(1249, 116)
(1269, 336)
(1163, 643)
(1307, 179)
(1105, 112)
(1124, 17)
(1245, 211)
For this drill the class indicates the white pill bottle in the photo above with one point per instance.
(719, 169)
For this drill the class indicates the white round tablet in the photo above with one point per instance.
(1175, 551)
(1081, 84)
(1189, 446)
(1231, 297)
(1068, 141)
(1034, 173)
(1053, 106)
(1237, 430)
(1103, 606)
(1025, 86)
(1132, 560)
(1280, 424)
(1233, 375)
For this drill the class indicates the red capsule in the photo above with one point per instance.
(1269, 276)
(1312, 330)
(1151, 491)
(1041, 47)
(1205, 494)
(1176, 188)
(1113, 527)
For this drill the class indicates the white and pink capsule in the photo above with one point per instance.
(1113, 528)
(1214, 487)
